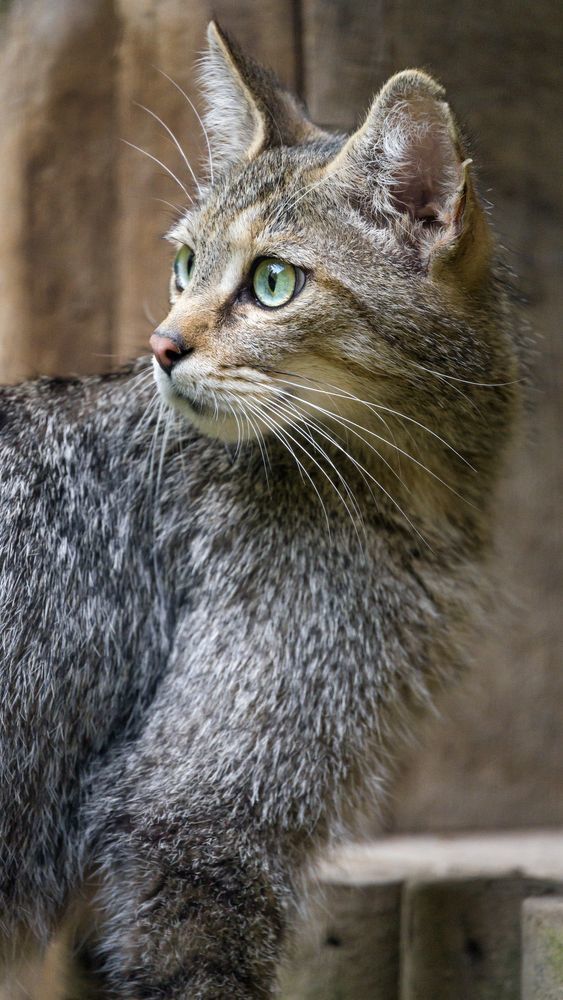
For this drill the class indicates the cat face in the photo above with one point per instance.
(255, 295)
(330, 281)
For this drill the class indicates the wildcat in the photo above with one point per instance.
(219, 619)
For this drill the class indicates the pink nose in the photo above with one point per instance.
(167, 351)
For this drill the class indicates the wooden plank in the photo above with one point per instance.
(347, 53)
(459, 918)
(56, 186)
(532, 853)
(348, 949)
(461, 938)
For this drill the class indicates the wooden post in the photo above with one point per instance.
(542, 949)
(461, 937)
(349, 948)
(57, 149)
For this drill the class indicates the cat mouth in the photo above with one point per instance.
(213, 409)
(190, 398)
(233, 409)
(202, 409)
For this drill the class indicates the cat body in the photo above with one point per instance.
(212, 642)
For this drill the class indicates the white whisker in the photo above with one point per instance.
(334, 440)
(177, 209)
(165, 436)
(160, 164)
(196, 113)
(320, 467)
(148, 315)
(174, 140)
(343, 394)
(279, 433)
(299, 430)
(339, 420)
(261, 441)
(240, 435)
(393, 501)
(353, 425)
(466, 381)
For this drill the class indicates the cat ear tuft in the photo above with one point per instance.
(247, 108)
(407, 166)
(408, 147)
(419, 153)
(233, 117)
(462, 252)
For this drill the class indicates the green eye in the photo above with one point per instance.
(274, 282)
(183, 267)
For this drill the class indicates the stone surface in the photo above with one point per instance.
(542, 949)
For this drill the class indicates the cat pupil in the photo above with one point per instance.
(272, 279)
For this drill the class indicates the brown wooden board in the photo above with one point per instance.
(57, 190)
(348, 947)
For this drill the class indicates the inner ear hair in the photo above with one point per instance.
(406, 159)
(406, 164)
(420, 157)
(248, 110)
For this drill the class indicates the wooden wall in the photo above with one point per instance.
(83, 275)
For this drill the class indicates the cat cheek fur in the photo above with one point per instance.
(222, 648)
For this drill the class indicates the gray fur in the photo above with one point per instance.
(201, 678)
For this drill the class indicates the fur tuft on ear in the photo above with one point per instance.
(232, 117)
(247, 108)
(408, 147)
(407, 164)
(420, 155)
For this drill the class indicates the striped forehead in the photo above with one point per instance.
(238, 231)
(267, 183)
(261, 193)
(242, 208)
(237, 241)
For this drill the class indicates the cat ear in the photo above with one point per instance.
(407, 162)
(247, 109)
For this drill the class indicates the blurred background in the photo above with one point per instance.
(84, 276)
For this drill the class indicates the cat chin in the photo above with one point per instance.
(221, 426)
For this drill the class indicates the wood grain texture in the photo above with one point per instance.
(461, 937)
(56, 186)
(348, 948)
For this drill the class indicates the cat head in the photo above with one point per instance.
(331, 280)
